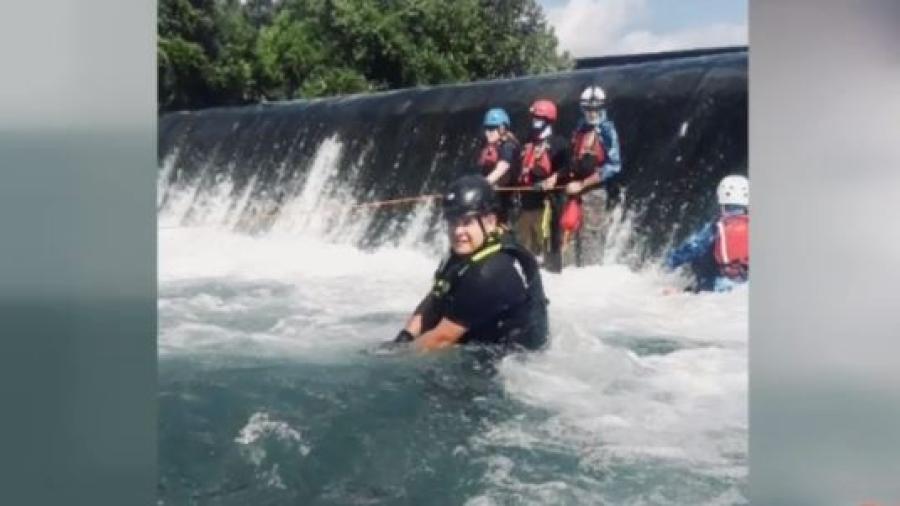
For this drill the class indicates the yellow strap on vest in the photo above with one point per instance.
(486, 252)
(545, 220)
(442, 286)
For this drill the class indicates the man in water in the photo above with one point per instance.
(488, 290)
(719, 252)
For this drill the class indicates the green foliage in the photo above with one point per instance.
(219, 52)
(183, 72)
(288, 51)
(324, 81)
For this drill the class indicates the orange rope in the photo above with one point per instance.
(422, 198)
(404, 200)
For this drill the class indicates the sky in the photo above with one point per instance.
(609, 27)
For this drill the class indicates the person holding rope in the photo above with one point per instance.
(537, 225)
(488, 290)
(595, 159)
(499, 157)
(595, 145)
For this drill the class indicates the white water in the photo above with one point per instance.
(298, 290)
(611, 405)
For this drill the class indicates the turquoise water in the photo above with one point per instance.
(383, 430)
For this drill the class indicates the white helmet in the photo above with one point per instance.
(734, 191)
(593, 97)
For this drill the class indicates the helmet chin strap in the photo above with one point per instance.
(484, 232)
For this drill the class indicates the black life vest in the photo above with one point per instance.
(523, 323)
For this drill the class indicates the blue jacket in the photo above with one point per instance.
(699, 247)
(610, 139)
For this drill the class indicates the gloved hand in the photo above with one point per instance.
(404, 336)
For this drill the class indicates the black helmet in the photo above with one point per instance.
(469, 195)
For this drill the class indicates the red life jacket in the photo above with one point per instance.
(570, 220)
(489, 157)
(596, 148)
(535, 167)
(732, 248)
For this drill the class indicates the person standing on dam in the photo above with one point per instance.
(719, 252)
(595, 159)
(537, 224)
(488, 290)
(499, 158)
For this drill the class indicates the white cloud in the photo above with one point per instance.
(590, 27)
(605, 27)
(720, 34)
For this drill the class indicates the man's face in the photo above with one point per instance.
(492, 134)
(466, 234)
(592, 115)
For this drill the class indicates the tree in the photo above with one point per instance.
(205, 54)
(183, 71)
(219, 52)
(289, 51)
(234, 76)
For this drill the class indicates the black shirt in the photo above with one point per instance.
(499, 298)
(486, 291)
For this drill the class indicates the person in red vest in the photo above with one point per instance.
(723, 242)
(542, 155)
(499, 158)
(595, 157)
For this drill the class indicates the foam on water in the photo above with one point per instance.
(261, 431)
(225, 291)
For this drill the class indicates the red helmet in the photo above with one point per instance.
(544, 109)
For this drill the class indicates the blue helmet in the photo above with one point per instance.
(496, 117)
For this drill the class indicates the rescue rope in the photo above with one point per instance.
(429, 196)
(527, 189)
(404, 200)
(420, 198)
